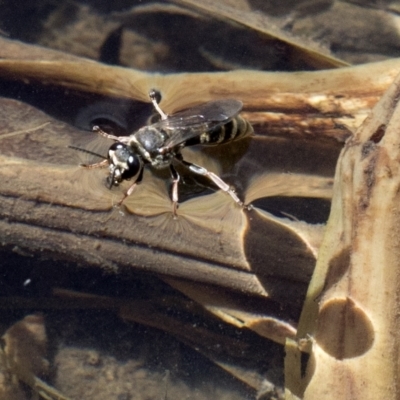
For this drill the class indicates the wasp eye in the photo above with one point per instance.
(134, 166)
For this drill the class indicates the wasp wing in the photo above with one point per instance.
(187, 124)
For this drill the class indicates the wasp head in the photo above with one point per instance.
(124, 164)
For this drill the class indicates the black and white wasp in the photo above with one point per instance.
(160, 144)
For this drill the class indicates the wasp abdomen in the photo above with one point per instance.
(235, 129)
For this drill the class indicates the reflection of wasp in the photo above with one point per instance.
(160, 143)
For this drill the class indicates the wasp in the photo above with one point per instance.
(159, 144)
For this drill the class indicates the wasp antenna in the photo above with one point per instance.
(155, 98)
(87, 152)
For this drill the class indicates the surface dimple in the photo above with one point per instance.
(344, 329)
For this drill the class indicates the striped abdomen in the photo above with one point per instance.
(235, 129)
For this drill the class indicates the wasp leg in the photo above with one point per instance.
(132, 187)
(155, 98)
(215, 179)
(100, 131)
(100, 164)
(174, 194)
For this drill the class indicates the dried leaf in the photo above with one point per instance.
(52, 181)
(350, 314)
(318, 58)
(22, 359)
(329, 104)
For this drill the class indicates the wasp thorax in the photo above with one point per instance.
(150, 139)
